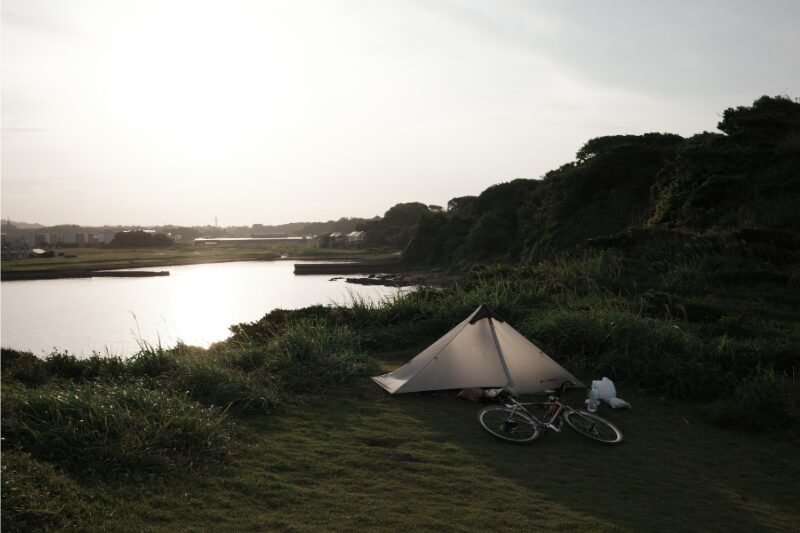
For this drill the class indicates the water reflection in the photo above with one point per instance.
(195, 304)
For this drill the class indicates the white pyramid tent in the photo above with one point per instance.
(482, 351)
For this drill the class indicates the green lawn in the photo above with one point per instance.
(369, 461)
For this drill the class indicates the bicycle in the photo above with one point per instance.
(512, 422)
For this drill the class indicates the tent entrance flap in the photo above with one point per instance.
(482, 351)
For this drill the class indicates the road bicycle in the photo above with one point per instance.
(525, 422)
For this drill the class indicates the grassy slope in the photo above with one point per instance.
(372, 461)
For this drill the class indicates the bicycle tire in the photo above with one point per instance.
(593, 427)
(509, 425)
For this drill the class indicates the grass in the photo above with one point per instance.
(110, 429)
(369, 461)
(310, 443)
(122, 258)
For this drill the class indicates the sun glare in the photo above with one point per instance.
(199, 83)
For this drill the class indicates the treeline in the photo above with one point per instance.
(140, 239)
(744, 177)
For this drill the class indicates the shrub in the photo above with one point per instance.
(768, 401)
(110, 428)
(246, 356)
(23, 367)
(152, 361)
(653, 354)
(65, 365)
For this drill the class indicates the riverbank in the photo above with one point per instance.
(279, 426)
(29, 275)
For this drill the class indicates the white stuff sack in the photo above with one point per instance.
(618, 403)
(607, 392)
(605, 389)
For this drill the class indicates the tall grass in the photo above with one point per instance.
(106, 428)
(311, 356)
(650, 353)
(212, 384)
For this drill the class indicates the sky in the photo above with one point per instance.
(167, 111)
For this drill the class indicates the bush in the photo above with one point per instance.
(311, 356)
(64, 365)
(23, 367)
(108, 428)
(653, 354)
(38, 497)
(152, 361)
(766, 402)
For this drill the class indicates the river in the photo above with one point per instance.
(195, 304)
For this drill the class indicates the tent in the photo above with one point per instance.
(482, 351)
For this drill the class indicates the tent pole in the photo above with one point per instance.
(500, 353)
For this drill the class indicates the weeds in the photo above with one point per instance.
(107, 428)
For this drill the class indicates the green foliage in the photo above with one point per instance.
(212, 384)
(653, 354)
(769, 119)
(152, 361)
(37, 497)
(767, 401)
(311, 356)
(745, 178)
(105, 428)
(397, 225)
(140, 239)
(67, 366)
(23, 367)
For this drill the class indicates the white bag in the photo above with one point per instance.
(605, 389)
(618, 403)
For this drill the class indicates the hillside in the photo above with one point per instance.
(711, 183)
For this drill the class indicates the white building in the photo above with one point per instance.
(356, 238)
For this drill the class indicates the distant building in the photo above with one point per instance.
(251, 240)
(336, 239)
(356, 239)
(41, 239)
(80, 239)
(70, 239)
(55, 239)
(15, 249)
(269, 235)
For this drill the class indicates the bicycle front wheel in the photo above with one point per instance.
(508, 425)
(594, 427)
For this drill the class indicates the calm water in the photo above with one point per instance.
(194, 304)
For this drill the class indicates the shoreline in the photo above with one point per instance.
(33, 275)
(112, 268)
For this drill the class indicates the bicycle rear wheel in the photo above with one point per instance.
(508, 425)
(594, 427)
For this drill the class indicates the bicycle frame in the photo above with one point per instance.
(515, 421)
(554, 420)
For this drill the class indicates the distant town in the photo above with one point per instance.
(21, 240)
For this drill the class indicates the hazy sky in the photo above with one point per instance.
(150, 112)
